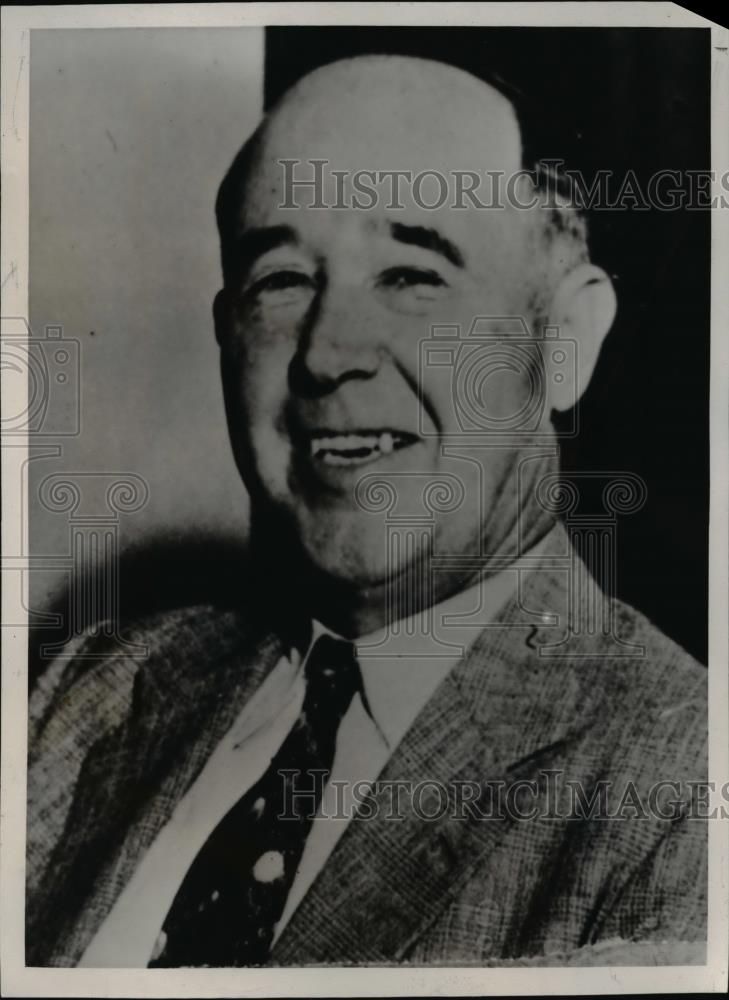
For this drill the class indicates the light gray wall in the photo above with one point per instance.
(131, 132)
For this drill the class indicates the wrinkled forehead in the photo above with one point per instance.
(383, 114)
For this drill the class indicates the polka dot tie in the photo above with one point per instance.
(225, 911)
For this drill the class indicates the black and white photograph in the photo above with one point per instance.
(365, 523)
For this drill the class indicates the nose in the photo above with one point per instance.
(341, 341)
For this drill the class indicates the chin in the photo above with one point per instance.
(355, 548)
(348, 548)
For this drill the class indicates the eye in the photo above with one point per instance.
(401, 278)
(279, 287)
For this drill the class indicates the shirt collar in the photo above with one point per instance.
(403, 665)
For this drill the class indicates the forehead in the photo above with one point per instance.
(372, 117)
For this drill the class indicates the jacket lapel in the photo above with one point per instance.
(500, 714)
(371, 898)
(142, 769)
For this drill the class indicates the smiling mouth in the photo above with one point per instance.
(355, 447)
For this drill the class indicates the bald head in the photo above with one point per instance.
(396, 113)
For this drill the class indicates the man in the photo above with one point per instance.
(414, 621)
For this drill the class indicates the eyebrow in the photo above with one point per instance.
(428, 239)
(253, 243)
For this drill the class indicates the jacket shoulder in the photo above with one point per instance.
(91, 690)
(660, 672)
(91, 681)
(641, 701)
(595, 672)
(610, 650)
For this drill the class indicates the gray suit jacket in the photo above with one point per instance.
(116, 740)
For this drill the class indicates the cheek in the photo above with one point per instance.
(433, 353)
(489, 390)
(261, 358)
(506, 388)
(475, 374)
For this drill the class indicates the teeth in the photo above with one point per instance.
(337, 448)
(343, 442)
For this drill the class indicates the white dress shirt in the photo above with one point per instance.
(401, 668)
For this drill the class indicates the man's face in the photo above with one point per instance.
(322, 340)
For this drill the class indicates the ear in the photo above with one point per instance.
(221, 315)
(583, 310)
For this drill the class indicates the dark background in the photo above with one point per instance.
(618, 99)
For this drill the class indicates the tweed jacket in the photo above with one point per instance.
(546, 701)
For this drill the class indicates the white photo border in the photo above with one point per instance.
(17, 980)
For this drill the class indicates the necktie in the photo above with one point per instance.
(225, 911)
